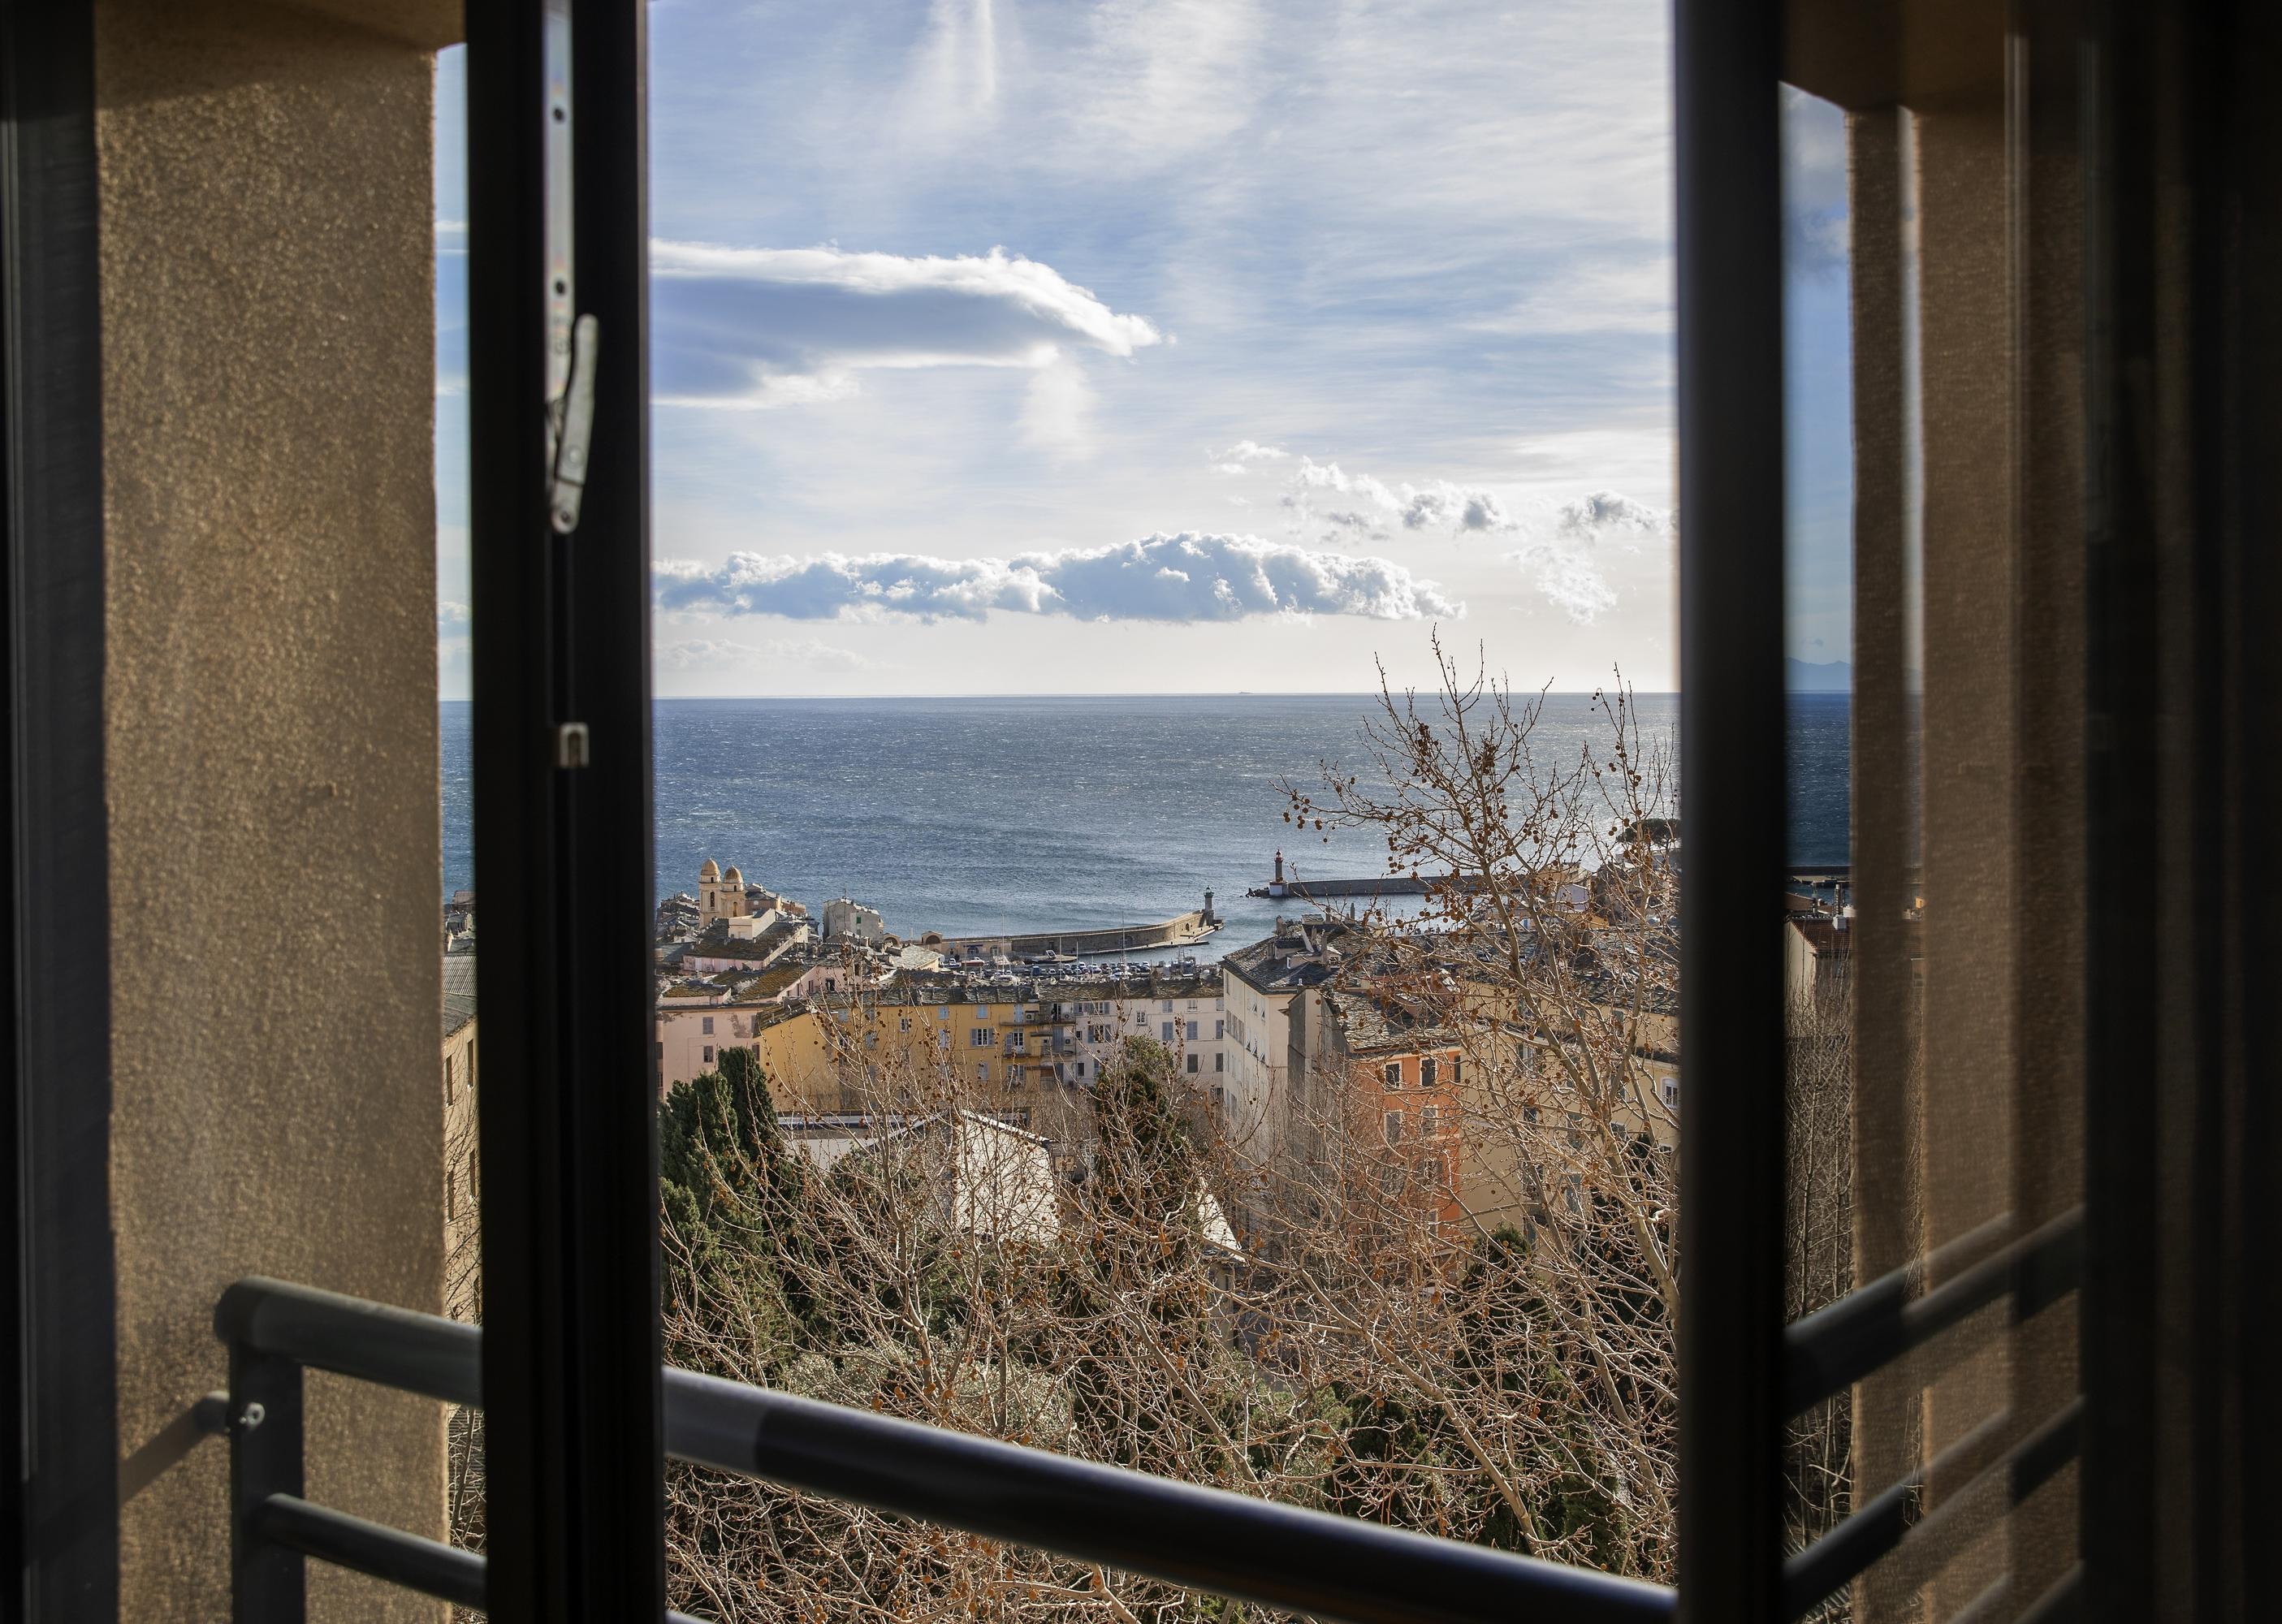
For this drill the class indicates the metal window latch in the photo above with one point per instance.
(573, 746)
(570, 346)
(571, 419)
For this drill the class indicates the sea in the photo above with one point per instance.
(975, 816)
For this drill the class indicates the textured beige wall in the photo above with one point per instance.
(268, 311)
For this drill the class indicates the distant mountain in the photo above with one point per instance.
(1805, 677)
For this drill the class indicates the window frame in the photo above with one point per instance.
(59, 1493)
(564, 837)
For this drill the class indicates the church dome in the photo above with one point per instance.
(733, 877)
(711, 871)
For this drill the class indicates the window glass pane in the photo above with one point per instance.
(1079, 430)
(1934, 912)
(464, 1247)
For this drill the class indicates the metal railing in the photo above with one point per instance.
(1204, 1539)
(1899, 1320)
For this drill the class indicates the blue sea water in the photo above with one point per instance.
(974, 815)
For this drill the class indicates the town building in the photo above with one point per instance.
(983, 1175)
(726, 897)
(1263, 981)
(846, 919)
(1028, 1045)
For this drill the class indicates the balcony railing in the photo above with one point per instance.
(1205, 1539)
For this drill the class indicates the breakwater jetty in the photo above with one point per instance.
(1382, 885)
(1094, 942)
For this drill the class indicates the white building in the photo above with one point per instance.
(984, 1176)
(846, 919)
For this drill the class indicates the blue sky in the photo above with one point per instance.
(1009, 345)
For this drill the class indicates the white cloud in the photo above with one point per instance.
(758, 327)
(1185, 578)
(1570, 581)
(1606, 512)
(1562, 561)
(1437, 506)
(1236, 458)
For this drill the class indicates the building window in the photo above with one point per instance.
(903, 1023)
(1219, 1062)
(1169, 1006)
(1080, 1069)
(1453, 1071)
(1395, 1127)
(983, 1012)
(1392, 1073)
(982, 1073)
(1168, 1031)
(979, 1038)
(709, 1054)
(1219, 1030)
(449, 1090)
(1425, 1074)
(1670, 1088)
(943, 1013)
(1431, 1171)
(707, 1026)
(1192, 1064)
(1016, 1075)
(1428, 1122)
(452, 1194)
(1192, 1030)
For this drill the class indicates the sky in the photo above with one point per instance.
(1200, 345)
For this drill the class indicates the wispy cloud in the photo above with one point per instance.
(1561, 559)
(757, 327)
(1186, 577)
(1238, 458)
(725, 654)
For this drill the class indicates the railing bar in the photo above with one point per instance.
(2054, 1444)
(2050, 1271)
(1988, 1607)
(1845, 1553)
(1835, 1347)
(427, 1565)
(1847, 1550)
(385, 1553)
(397, 1347)
(2060, 1603)
(1257, 1551)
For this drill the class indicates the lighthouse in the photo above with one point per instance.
(1275, 885)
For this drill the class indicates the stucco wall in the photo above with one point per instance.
(268, 313)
